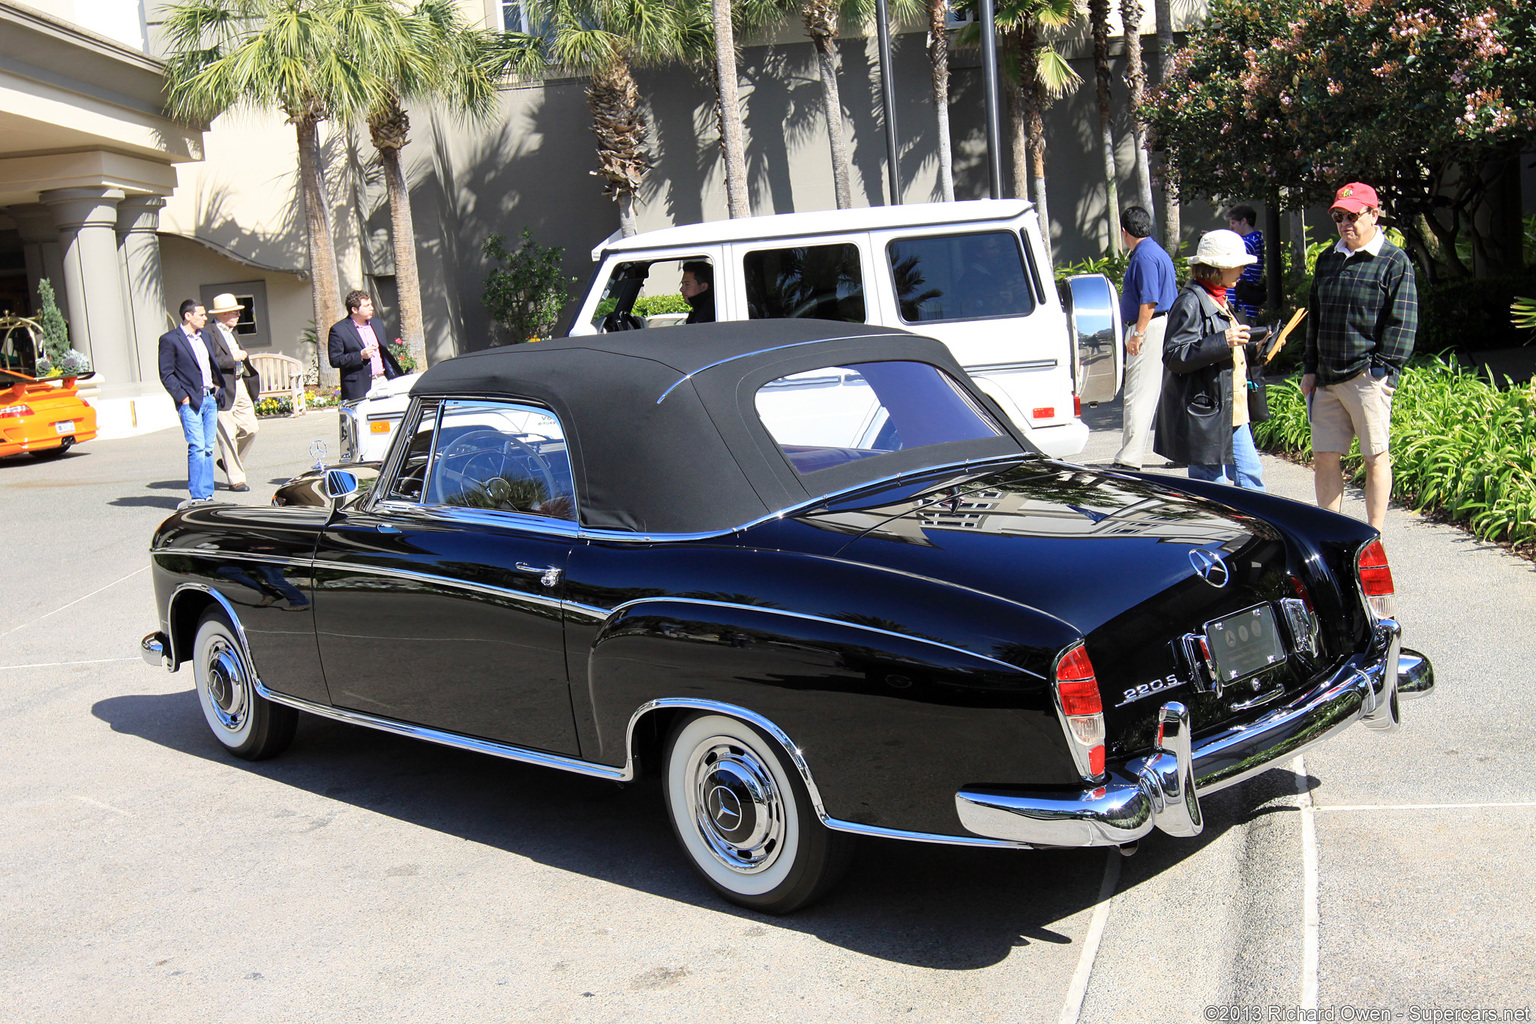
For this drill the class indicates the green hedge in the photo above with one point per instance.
(1460, 446)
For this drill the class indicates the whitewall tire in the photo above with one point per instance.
(744, 817)
(247, 724)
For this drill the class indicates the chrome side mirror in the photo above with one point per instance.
(339, 486)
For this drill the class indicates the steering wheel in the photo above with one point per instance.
(537, 461)
(619, 320)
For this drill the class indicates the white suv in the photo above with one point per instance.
(971, 274)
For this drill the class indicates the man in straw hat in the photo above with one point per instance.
(237, 406)
(1364, 314)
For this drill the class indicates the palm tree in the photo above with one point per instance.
(820, 18)
(292, 55)
(435, 56)
(728, 108)
(1136, 86)
(1164, 11)
(938, 65)
(1098, 16)
(1043, 75)
(609, 38)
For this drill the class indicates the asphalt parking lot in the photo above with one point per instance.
(145, 875)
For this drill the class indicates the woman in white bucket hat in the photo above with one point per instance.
(1202, 417)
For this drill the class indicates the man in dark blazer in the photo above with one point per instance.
(190, 375)
(357, 348)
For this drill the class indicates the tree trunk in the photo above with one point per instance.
(618, 121)
(1136, 86)
(390, 129)
(938, 63)
(1164, 9)
(1018, 138)
(1098, 13)
(407, 277)
(821, 26)
(324, 284)
(730, 111)
(1033, 93)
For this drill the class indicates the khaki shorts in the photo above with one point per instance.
(1359, 407)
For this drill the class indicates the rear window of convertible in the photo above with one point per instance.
(841, 414)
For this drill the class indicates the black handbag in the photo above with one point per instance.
(1258, 401)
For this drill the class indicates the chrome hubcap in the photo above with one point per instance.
(736, 805)
(228, 689)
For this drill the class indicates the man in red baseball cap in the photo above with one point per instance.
(1364, 309)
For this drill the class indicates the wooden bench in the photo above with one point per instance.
(281, 377)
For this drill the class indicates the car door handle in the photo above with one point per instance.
(548, 575)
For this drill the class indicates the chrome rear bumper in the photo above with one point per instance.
(1162, 789)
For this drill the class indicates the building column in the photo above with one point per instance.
(87, 223)
(138, 221)
(41, 249)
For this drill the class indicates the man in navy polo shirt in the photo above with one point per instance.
(1146, 294)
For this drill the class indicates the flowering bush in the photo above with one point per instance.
(1300, 96)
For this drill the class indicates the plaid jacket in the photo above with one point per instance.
(1364, 312)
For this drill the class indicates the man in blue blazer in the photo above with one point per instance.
(190, 375)
(357, 348)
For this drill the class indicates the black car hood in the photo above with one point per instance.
(1084, 545)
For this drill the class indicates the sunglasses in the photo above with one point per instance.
(1340, 216)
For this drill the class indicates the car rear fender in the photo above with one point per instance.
(871, 710)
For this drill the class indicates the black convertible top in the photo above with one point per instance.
(661, 424)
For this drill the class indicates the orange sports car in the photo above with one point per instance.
(43, 418)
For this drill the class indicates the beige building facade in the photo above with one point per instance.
(128, 213)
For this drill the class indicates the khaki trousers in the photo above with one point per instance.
(237, 431)
(1143, 387)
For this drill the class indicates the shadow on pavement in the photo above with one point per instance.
(944, 907)
(146, 501)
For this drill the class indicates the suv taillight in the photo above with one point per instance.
(1376, 580)
(1077, 700)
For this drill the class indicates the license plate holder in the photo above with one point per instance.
(1244, 643)
(64, 427)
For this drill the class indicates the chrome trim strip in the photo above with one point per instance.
(822, 618)
(447, 581)
(507, 751)
(229, 610)
(590, 611)
(762, 351)
(237, 556)
(1032, 364)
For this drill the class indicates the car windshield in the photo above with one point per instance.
(840, 414)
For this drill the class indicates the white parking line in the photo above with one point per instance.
(1309, 913)
(1422, 807)
(62, 664)
(76, 601)
(1079, 987)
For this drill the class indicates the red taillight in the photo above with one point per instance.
(1375, 573)
(1077, 406)
(16, 410)
(1376, 581)
(1082, 710)
(1077, 685)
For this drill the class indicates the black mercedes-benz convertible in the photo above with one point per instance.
(806, 574)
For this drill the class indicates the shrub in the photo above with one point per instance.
(526, 289)
(55, 330)
(653, 305)
(1460, 446)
